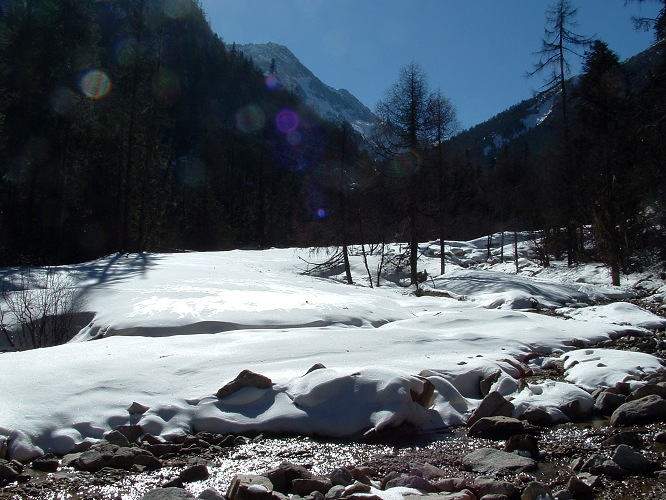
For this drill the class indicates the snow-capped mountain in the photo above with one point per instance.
(329, 103)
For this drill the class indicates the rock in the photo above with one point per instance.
(493, 405)
(166, 494)
(108, 455)
(137, 408)
(148, 461)
(647, 390)
(633, 461)
(426, 471)
(640, 411)
(524, 442)
(360, 475)
(341, 476)
(131, 432)
(608, 402)
(488, 382)
(425, 397)
(250, 487)
(3, 446)
(316, 366)
(416, 482)
(459, 495)
(629, 438)
(117, 438)
(562, 495)
(246, 378)
(579, 488)
(210, 494)
(196, 472)
(496, 428)
(453, 484)
(488, 486)
(162, 449)
(536, 490)
(356, 487)
(538, 416)
(496, 462)
(304, 487)
(46, 463)
(337, 491)
(9, 470)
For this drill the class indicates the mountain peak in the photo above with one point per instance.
(329, 103)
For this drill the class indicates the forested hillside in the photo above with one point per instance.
(130, 126)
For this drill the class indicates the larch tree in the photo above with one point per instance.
(402, 134)
(561, 42)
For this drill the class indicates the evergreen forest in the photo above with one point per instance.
(126, 126)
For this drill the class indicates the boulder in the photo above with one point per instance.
(496, 462)
(607, 402)
(496, 428)
(523, 442)
(131, 432)
(641, 411)
(493, 405)
(629, 438)
(166, 494)
(195, 472)
(137, 408)
(210, 494)
(538, 416)
(3, 446)
(9, 470)
(109, 455)
(483, 486)
(488, 382)
(117, 438)
(425, 396)
(633, 461)
(416, 482)
(46, 463)
(647, 390)
(579, 488)
(536, 490)
(341, 476)
(304, 487)
(246, 378)
(250, 487)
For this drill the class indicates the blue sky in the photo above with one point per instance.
(476, 51)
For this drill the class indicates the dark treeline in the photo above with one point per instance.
(128, 125)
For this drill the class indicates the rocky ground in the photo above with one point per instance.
(617, 452)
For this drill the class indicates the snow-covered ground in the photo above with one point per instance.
(170, 329)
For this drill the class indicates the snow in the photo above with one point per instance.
(168, 330)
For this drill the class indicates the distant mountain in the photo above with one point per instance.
(534, 121)
(329, 103)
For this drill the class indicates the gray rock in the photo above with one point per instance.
(250, 487)
(458, 495)
(538, 416)
(452, 484)
(562, 495)
(284, 475)
(488, 486)
(341, 476)
(488, 382)
(46, 463)
(640, 411)
(496, 428)
(210, 494)
(524, 442)
(131, 432)
(337, 491)
(633, 461)
(579, 488)
(647, 390)
(357, 487)
(246, 378)
(493, 405)
(9, 470)
(496, 462)
(629, 438)
(415, 482)
(608, 402)
(426, 471)
(108, 455)
(117, 438)
(166, 494)
(304, 487)
(137, 408)
(196, 472)
(3, 446)
(536, 490)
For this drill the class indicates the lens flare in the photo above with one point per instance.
(294, 138)
(287, 121)
(272, 82)
(95, 84)
(321, 213)
(250, 119)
